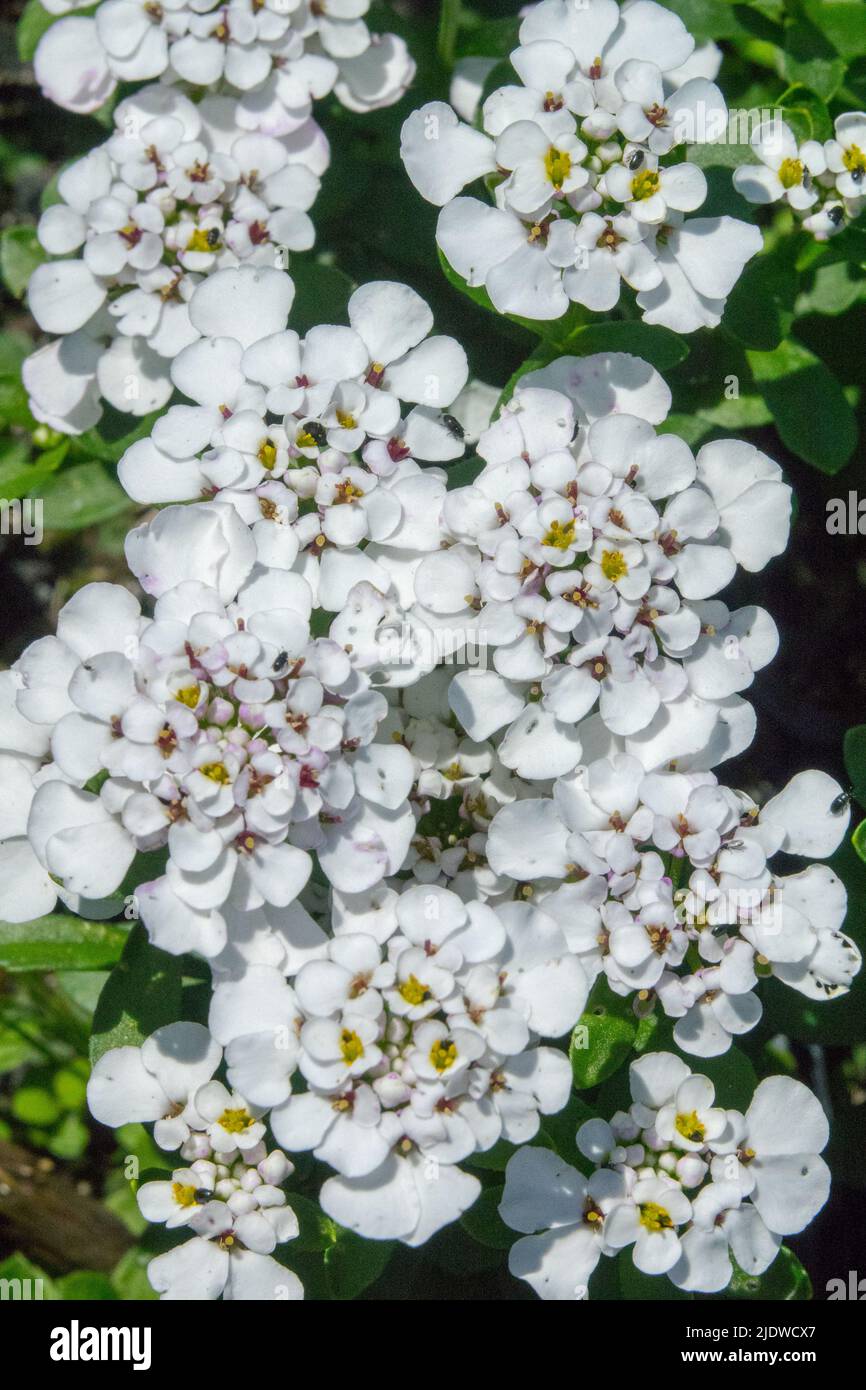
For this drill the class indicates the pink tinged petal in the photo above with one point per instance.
(71, 66)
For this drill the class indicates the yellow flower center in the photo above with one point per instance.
(690, 1127)
(267, 455)
(351, 1046)
(306, 440)
(346, 420)
(443, 1055)
(557, 166)
(645, 185)
(654, 1217)
(188, 696)
(199, 241)
(235, 1121)
(613, 565)
(790, 172)
(453, 772)
(854, 159)
(413, 991)
(346, 492)
(559, 534)
(216, 772)
(183, 1194)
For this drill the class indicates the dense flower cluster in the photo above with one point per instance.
(274, 56)
(177, 192)
(822, 183)
(227, 1192)
(416, 766)
(688, 1186)
(581, 158)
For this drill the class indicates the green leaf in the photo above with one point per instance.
(842, 21)
(488, 38)
(603, 1038)
(322, 294)
(760, 308)
(35, 1105)
(854, 752)
(353, 1264)
(806, 113)
(129, 1276)
(446, 37)
(809, 59)
(659, 346)
(15, 1050)
(858, 840)
(81, 496)
(21, 475)
(733, 1076)
(810, 412)
(634, 1284)
(834, 289)
(86, 1284)
(785, 1281)
(28, 1280)
(31, 26)
(113, 435)
(557, 1131)
(60, 942)
(141, 993)
(484, 1223)
(20, 254)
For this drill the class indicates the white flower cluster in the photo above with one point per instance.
(822, 183)
(228, 1192)
(693, 1189)
(178, 192)
(415, 767)
(586, 557)
(581, 160)
(405, 870)
(274, 56)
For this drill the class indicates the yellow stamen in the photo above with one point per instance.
(413, 991)
(613, 565)
(645, 185)
(791, 173)
(443, 1055)
(351, 1046)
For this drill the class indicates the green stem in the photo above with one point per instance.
(449, 23)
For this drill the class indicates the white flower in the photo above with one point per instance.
(155, 1082)
(786, 171)
(777, 1166)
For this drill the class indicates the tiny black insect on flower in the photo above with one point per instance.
(635, 159)
(836, 215)
(281, 662)
(316, 430)
(203, 1194)
(213, 236)
(838, 804)
(453, 426)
